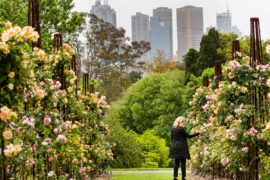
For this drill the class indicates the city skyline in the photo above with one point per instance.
(241, 11)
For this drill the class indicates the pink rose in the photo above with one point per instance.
(57, 85)
(55, 131)
(61, 138)
(252, 131)
(83, 170)
(245, 149)
(47, 120)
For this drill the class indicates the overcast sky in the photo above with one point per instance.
(241, 11)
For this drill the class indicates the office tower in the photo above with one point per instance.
(104, 11)
(189, 29)
(140, 27)
(224, 22)
(141, 31)
(161, 32)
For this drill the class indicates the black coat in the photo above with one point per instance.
(179, 148)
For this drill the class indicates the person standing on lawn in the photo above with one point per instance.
(179, 150)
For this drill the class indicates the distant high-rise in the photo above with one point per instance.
(104, 11)
(161, 32)
(189, 29)
(224, 22)
(140, 27)
(141, 30)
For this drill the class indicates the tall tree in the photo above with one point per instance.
(191, 64)
(208, 49)
(109, 54)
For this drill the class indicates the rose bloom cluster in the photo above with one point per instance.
(16, 33)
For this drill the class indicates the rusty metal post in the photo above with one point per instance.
(205, 81)
(235, 48)
(218, 72)
(256, 56)
(257, 98)
(85, 82)
(34, 19)
(73, 67)
(58, 42)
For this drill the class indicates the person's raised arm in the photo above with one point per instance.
(190, 135)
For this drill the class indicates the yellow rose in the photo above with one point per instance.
(8, 24)
(41, 54)
(75, 161)
(4, 48)
(4, 113)
(10, 86)
(40, 94)
(7, 135)
(11, 75)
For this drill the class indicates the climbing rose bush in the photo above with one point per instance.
(48, 127)
(233, 127)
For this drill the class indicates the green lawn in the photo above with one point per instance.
(143, 177)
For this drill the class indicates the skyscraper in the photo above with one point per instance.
(140, 27)
(189, 29)
(104, 11)
(224, 22)
(161, 32)
(141, 30)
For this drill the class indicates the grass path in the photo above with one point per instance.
(142, 177)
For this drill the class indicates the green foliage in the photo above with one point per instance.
(152, 102)
(208, 49)
(191, 64)
(225, 51)
(155, 151)
(55, 16)
(214, 46)
(127, 152)
(135, 76)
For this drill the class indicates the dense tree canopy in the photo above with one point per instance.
(152, 102)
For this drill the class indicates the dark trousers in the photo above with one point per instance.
(183, 167)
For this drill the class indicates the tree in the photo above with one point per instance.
(135, 76)
(225, 51)
(55, 16)
(109, 54)
(161, 64)
(152, 103)
(154, 150)
(127, 152)
(191, 64)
